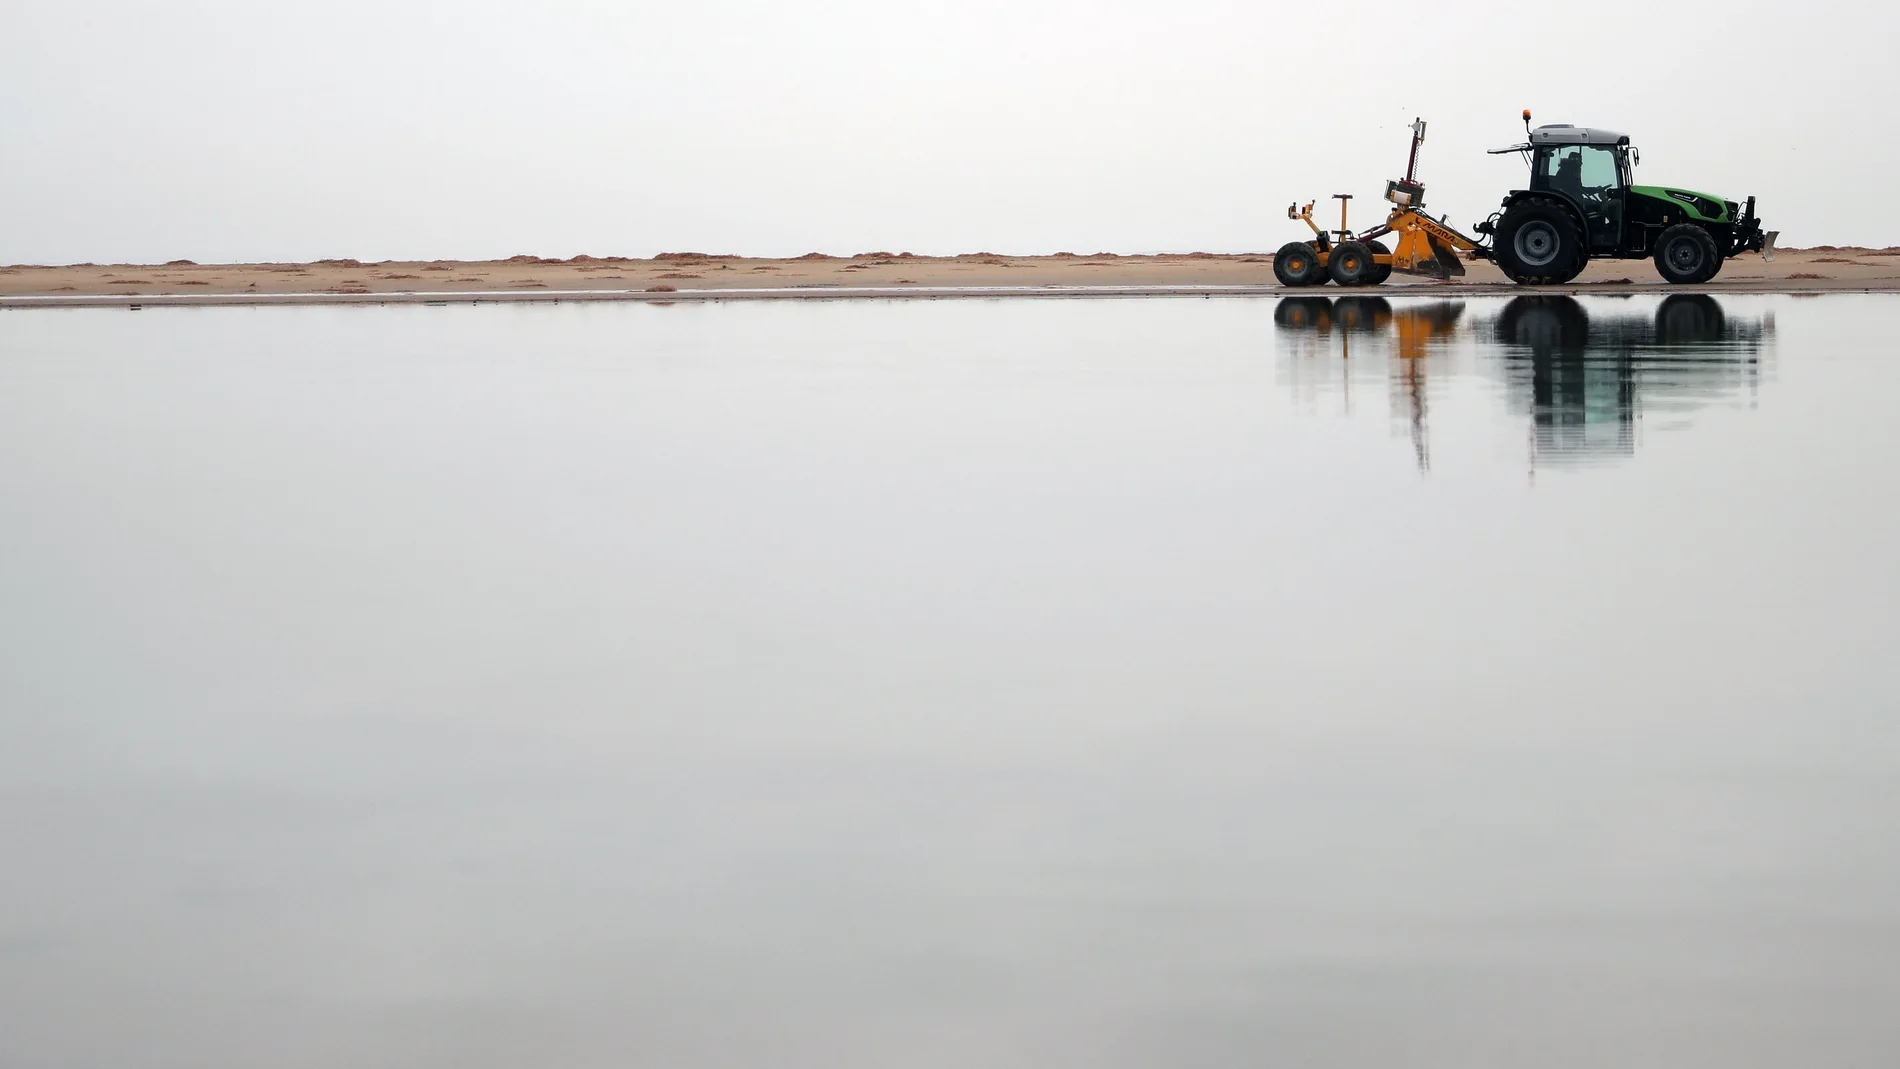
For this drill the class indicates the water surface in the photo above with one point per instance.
(1021, 683)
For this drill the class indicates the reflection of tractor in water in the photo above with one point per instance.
(1588, 379)
(1580, 205)
(1583, 380)
(1683, 326)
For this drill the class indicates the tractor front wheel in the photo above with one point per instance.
(1351, 264)
(1686, 254)
(1297, 264)
(1540, 244)
(1380, 271)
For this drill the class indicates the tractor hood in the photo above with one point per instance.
(1704, 206)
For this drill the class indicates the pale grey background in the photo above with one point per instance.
(246, 131)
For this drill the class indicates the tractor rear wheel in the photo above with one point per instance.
(1380, 272)
(1540, 244)
(1351, 264)
(1686, 254)
(1297, 264)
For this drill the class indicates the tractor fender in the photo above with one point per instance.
(1576, 210)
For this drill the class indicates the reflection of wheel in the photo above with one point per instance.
(1351, 264)
(1686, 254)
(1380, 272)
(1547, 326)
(1689, 319)
(1304, 313)
(1539, 243)
(1361, 315)
(1297, 264)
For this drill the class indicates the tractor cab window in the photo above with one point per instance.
(1576, 169)
(1593, 176)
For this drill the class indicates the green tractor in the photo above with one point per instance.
(1581, 205)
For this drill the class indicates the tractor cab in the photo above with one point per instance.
(1589, 168)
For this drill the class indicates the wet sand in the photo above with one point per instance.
(676, 276)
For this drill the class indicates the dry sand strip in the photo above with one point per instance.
(695, 276)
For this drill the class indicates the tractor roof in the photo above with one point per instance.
(1565, 134)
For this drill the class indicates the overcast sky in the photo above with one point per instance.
(238, 130)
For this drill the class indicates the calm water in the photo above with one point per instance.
(1042, 683)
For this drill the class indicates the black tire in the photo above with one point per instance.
(1715, 268)
(1351, 264)
(1380, 272)
(1686, 254)
(1297, 264)
(1540, 243)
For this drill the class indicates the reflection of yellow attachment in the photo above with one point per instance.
(1417, 328)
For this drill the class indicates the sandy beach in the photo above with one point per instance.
(688, 275)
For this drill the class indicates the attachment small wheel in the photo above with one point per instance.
(1297, 264)
(1380, 271)
(1351, 264)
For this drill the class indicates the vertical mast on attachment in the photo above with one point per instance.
(1418, 138)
